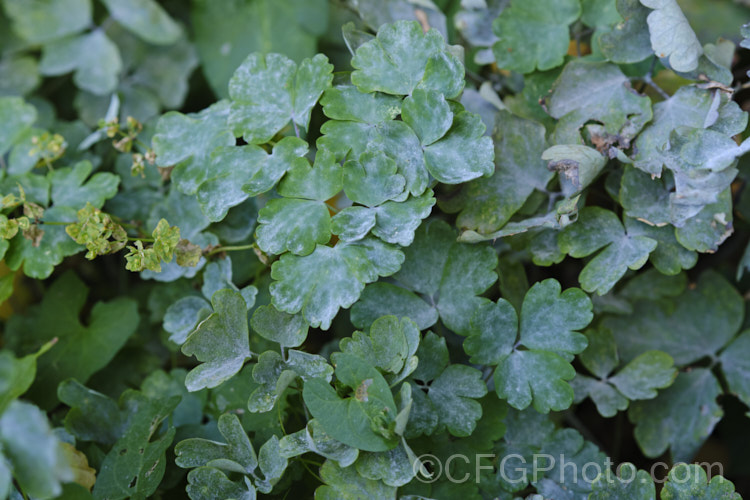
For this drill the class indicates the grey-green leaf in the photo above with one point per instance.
(463, 154)
(145, 18)
(640, 378)
(486, 204)
(550, 318)
(40, 21)
(320, 283)
(220, 341)
(372, 179)
(402, 57)
(428, 113)
(534, 34)
(294, 225)
(16, 117)
(681, 418)
(186, 141)
(269, 91)
(363, 420)
(689, 481)
(671, 35)
(346, 484)
(288, 330)
(94, 58)
(598, 91)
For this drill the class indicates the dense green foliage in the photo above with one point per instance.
(374, 249)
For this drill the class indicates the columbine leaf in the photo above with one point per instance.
(539, 374)
(39, 23)
(534, 34)
(181, 317)
(571, 309)
(380, 297)
(288, 330)
(287, 153)
(347, 103)
(700, 160)
(330, 278)
(226, 34)
(313, 438)
(487, 204)
(450, 390)
(428, 113)
(710, 227)
(639, 379)
(627, 41)
(70, 188)
(186, 141)
(372, 180)
(453, 395)
(162, 385)
(274, 374)
(563, 482)
(16, 118)
(136, 463)
(493, 333)
(146, 19)
(540, 377)
(206, 483)
(363, 420)
(649, 371)
(294, 225)
(597, 91)
(39, 261)
(220, 341)
(402, 58)
(629, 484)
(81, 350)
(735, 366)
(463, 154)
(688, 107)
(395, 467)
(236, 455)
(597, 228)
(17, 374)
(321, 182)
(269, 91)
(396, 222)
(364, 123)
(671, 35)
(694, 324)
(670, 257)
(93, 56)
(644, 197)
(450, 291)
(229, 168)
(390, 346)
(92, 415)
(347, 484)
(31, 451)
(689, 481)
(680, 418)
(577, 165)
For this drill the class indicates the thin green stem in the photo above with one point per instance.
(281, 420)
(311, 462)
(310, 470)
(229, 249)
(56, 223)
(48, 163)
(332, 208)
(144, 240)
